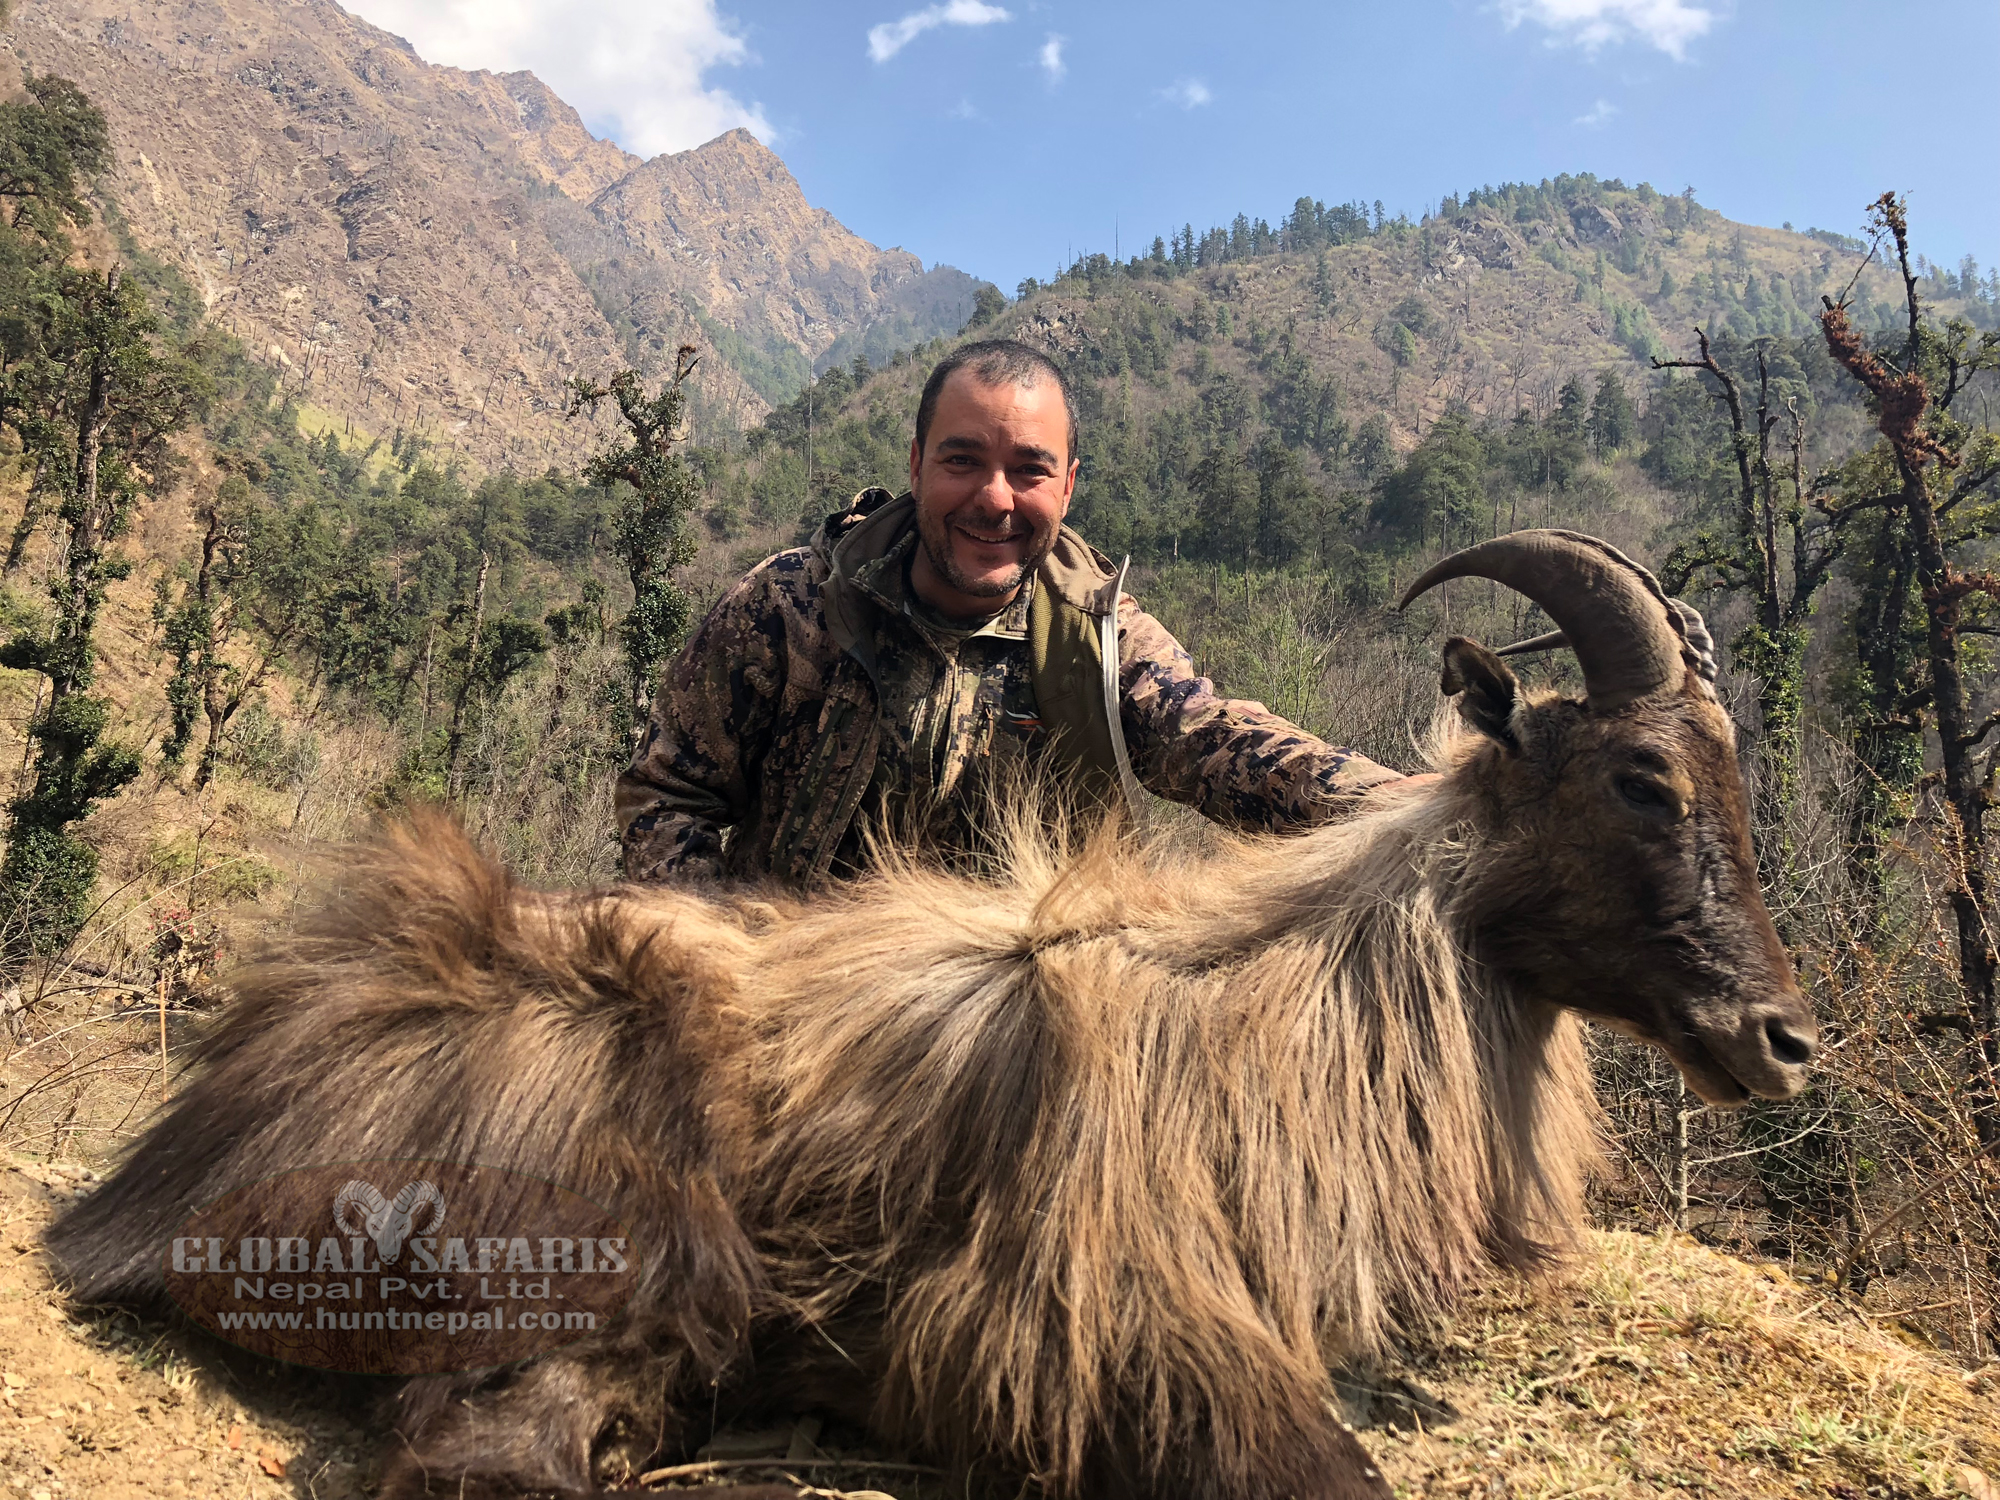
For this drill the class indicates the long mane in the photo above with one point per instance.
(1268, 1096)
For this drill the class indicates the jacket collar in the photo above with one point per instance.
(865, 534)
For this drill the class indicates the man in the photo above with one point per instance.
(928, 648)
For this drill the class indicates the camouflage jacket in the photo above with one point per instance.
(819, 697)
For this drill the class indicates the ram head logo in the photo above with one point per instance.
(359, 1208)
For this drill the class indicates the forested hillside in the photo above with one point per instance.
(235, 631)
(1244, 386)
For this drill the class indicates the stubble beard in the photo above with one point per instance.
(934, 533)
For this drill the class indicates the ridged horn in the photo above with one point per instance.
(1612, 611)
(1555, 640)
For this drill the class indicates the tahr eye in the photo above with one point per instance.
(1643, 795)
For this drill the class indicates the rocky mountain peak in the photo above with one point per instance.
(381, 230)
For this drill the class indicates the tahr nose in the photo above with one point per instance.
(1790, 1045)
(1792, 1036)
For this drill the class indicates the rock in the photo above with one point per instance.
(729, 226)
(1596, 224)
(1055, 329)
(1389, 1401)
(1488, 241)
(1642, 222)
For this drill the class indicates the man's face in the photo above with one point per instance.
(992, 485)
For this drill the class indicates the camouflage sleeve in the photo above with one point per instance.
(1232, 759)
(710, 723)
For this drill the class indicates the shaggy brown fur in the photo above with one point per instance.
(1081, 1172)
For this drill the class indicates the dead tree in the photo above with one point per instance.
(1938, 467)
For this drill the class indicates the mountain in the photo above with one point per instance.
(423, 247)
(751, 253)
(1345, 343)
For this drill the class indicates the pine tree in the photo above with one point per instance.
(1285, 502)
(988, 302)
(1572, 409)
(1372, 450)
(1323, 283)
(1613, 420)
(1227, 501)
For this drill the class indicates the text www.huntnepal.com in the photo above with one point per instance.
(433, 1321)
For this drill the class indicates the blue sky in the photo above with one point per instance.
(1004, 136)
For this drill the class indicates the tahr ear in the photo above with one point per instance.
(1488, 688)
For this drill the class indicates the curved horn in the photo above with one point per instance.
(413, 1193)
(417, 1197)
(1627, 639)
(1693, 629)
(1555, 640)
(357, 1195)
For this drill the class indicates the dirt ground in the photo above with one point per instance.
(1653, 1366)
(111, 1408)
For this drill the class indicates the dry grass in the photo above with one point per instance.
(1655, 1365)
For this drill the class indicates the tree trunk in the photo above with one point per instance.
(78, 612)
(220, 708)
(465, 683)
(1888, 744)
(1964, 792)
(430, 640)
(217, 713)
(1907, 413)
(208, 655)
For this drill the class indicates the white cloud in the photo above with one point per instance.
(1590, 24)
(891, 37)
(1596, 115)
(1051, 58)
(637, 64)
(1188, 93)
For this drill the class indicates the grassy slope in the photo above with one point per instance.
(1655, 1365)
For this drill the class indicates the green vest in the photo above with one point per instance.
(1073, 662)
(1072, 653)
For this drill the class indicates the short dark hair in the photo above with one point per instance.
(995, 362)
